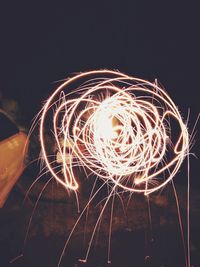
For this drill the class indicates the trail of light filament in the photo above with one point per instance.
(117, 127)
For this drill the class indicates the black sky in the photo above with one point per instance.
(42, 42)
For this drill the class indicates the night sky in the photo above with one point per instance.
(43, 42)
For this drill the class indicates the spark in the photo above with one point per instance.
(118, 128)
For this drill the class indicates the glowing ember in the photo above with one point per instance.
(118, 128)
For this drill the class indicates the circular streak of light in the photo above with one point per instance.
(118, 127)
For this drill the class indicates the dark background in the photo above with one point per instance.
(43, 42)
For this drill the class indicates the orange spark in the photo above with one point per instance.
(117, 127)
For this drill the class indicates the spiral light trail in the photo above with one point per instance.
(125, 130)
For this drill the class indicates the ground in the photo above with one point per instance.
(134, 242)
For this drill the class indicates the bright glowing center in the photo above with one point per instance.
(104, 127)
(103, 122)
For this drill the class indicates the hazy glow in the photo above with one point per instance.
(118, 128)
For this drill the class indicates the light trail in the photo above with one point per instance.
(118, 128)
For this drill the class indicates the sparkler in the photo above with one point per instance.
(126, 131)
(117, 127)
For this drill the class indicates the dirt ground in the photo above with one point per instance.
(135, 242)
